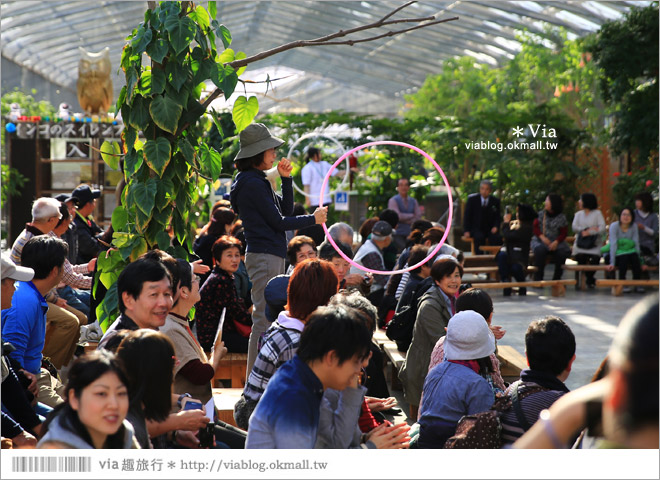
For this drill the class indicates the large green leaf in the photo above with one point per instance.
(157, 81)
(128, 136)
(141, 39)
(157, 50)
(240, 56)
(111, 153)
(201, 16)
(144, 195)
(108, 310)
(163, 240)
(224, 77)
(177, 74)
(131, 83)
(181, 32)
(119, 218)
(132, 162)
(165, 188)
(158, 153)
(181, 168)
(139, 249)
(139, 113)
(213, 9)
(187, 150)
(165, 113)
(224, 33)
(210, 160)
(244, 111)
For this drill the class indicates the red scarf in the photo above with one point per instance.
(473, 364)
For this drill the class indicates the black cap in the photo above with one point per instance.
(65, 197)
(381, 229)
(84, 194)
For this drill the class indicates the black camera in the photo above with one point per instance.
(206, 435)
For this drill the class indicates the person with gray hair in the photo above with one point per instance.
(341, 232)
(370, 253)
(482, 218)
(45, 216)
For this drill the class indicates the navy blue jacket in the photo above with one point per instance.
(264, 213)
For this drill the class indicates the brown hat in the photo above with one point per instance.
(256, 138)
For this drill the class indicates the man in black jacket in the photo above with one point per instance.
(86, 228)
(266, 218)
(482, 218)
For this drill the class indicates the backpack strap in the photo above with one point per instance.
(518, 409)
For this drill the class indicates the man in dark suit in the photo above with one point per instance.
(482, 218)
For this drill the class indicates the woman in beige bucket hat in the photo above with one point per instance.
(266, 218)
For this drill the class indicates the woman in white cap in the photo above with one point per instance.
(457, 387)
(265, 217)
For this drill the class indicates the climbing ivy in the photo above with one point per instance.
(163, 154)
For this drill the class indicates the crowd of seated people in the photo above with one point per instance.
(317, 379)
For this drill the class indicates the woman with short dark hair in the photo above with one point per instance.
(221, 224)
(219, 293)
(647, 224)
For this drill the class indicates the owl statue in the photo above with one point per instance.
(94, 84)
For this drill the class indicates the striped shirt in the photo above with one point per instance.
(531, 405)
(280, 345)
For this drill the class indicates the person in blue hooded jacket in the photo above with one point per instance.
(265, 217)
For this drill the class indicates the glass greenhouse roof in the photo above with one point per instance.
(372, 77)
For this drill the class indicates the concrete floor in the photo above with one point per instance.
(593, 316)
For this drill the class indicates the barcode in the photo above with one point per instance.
(51, 464)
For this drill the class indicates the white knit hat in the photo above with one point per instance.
(468, 337)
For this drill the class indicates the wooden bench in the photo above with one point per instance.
(492, 272)
(396, 358)
(617, 285)
(380, 338)
(479, 261)
(225, 399)
(491, 249)
(582, 270)
(511, 362)
(558, 286)
(232, 367)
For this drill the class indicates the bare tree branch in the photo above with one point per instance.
(327, 40)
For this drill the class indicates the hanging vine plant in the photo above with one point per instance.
(163, 101)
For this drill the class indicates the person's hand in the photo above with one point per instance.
(199, 267)
(553, 246)
(498, 331)
(640, 226)
(32, 388)
(186, 439)
(321, 215)
(220, 350)
(91, 265)
(284, 168)
(24, 440)
(610, 268)
(387, 436)
(368, 278)
(191, 420)
(506, 218)
(60, 302)
(493, 230)
(466, 234)
(353, 279)
(380, 404)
